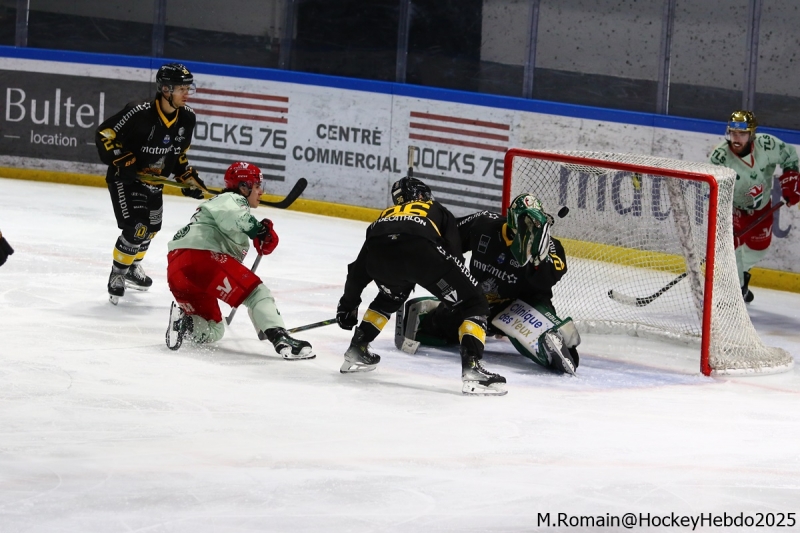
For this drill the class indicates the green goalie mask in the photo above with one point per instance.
(530, 226)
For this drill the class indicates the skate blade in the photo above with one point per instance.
(136, 287)
(475, 388)
(350, 368)
(113, 299)
(289, 356)
(174, 344)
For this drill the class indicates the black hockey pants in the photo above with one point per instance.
(398, 265)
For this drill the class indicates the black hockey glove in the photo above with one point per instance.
(191, 192)
(5, 249)
(190, 177)
(126, 166)
(346, 316)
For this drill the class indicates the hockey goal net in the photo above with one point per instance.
(649, 244)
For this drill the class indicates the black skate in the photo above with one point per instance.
(562, 359)
(116, 286)
(746, 293)
(135, 278)
(358, 357)
(289, 347)
(477, 381)
(179, 325)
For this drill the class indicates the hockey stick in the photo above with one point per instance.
(253, 270)
(312, 326)
(641, 302)
(296, 191)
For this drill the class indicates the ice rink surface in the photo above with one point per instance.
(102, 428)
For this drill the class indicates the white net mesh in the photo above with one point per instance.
(636, 242)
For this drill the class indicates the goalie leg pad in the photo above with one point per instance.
(538, 334)
(407, 322)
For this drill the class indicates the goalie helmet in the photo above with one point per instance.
(530, 226)
(174, 74)
(742, 121)
(241, 173)
(410, 189)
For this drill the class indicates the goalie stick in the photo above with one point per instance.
(645, 300)
(295, 193)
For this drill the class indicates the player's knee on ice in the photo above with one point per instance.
(205, 331)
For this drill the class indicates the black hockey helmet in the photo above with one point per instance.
(174, 74)
(410, 189)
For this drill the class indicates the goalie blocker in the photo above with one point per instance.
(534, 330)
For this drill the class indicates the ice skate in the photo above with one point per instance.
(135, 278)
(116, 286)
(179, 325)
(746, 293)
(358, 357)
(477, 381)
(290, 348)
(561, 358)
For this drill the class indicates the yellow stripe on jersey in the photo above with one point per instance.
(468, 327)
(167, 122)
(140, 255)
(123, 258)
(505, 233)
(376, 319)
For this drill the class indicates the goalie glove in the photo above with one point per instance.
(191, 178)
(346, 316)
(266, 239)
(790, 186)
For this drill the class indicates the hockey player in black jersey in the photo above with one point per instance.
(517, 264)
(146, 138)
(416, 242)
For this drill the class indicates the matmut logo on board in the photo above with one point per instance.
(239, 126)
(462, 157)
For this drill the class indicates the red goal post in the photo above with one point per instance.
(649, 244)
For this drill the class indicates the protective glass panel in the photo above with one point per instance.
(347, 38)
(8, 22)
(235, 32)
(91, 26)
(708, 58)
(505, 33)
(601, 53)
(444, 44)
(777, 101)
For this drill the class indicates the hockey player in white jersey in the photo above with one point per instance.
(205, 265)
(754, 157)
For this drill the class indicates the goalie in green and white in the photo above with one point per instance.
(517, 264)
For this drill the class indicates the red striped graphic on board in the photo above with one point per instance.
(241, 105)
(458, 131)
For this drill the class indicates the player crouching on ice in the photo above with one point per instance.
(415, 242)
(517, 264)
(205, 265)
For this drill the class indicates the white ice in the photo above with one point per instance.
(102, 428)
